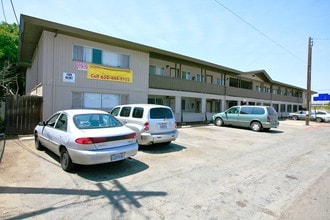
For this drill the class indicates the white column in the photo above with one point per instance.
(178, 104)
(203, 107)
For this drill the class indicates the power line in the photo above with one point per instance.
(12, 5)
(259, 31)
(322, 39)
(3, 11)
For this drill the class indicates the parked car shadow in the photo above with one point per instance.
(161, 148)
(107, 171)
(111, 171)
(271, 131)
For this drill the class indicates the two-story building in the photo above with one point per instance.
(74, 68)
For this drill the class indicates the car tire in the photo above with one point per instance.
(37, 143)
(218, 122)
(256, 126)
(294, 117)
(318, 120)
(65, 160)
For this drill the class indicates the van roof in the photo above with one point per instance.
(143, 105)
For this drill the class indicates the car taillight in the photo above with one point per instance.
(84, 141)
(268, 119)
(130, 136)
(91, 140)
(176, 125)
(146, 126)
(95, 140)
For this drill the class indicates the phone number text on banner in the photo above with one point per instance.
(110, 74)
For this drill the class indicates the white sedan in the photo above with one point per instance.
(84, 136)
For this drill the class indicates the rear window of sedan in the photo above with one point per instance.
(90, 121)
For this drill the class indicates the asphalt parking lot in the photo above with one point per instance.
(209, 172)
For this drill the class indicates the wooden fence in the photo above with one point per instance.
(22, 113)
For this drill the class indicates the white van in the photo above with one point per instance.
(152, 123)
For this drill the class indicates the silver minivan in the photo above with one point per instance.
(255, 117)
(152, 123)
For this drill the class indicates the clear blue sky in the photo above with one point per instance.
(246, 35)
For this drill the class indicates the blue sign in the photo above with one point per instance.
(322, 97)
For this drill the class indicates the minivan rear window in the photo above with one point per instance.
(271, 111)
(160, 113)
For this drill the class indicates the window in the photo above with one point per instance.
(62, 123)
(271, 111)
(137, 112)
(246, 84)
(220, 81)
(155, 101)
(185, 75)
(115, 60)
(234, 110)
(246, 110)
(93, 121)
(200, 78)
(97, 56)
(183, 104)
(52, 120)
(81, 53)
(115, 111)
(125, 111)
(233, 82)
(160, 113)
(155, 70)
(96, 100)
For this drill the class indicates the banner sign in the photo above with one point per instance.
(109, 73)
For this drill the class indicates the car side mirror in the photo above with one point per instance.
(42, 123)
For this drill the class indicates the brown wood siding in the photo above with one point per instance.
(22, 114)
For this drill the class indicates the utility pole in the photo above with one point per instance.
(308, 93)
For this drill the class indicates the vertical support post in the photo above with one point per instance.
(308, 93)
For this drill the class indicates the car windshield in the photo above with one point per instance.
(91, 121)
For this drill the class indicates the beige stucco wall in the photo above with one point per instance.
(54, 57)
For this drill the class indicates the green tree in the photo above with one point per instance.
(11, 80)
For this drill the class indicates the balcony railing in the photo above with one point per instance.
(164, 82)
(171, 83)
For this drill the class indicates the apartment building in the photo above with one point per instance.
(74, 68)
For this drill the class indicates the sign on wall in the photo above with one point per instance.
(109, 73)
(69, 77)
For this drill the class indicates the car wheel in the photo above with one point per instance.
(218, 122)
(65, 160)
(256, 126)
(37, 143)
(318, 120)
(294, 117)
